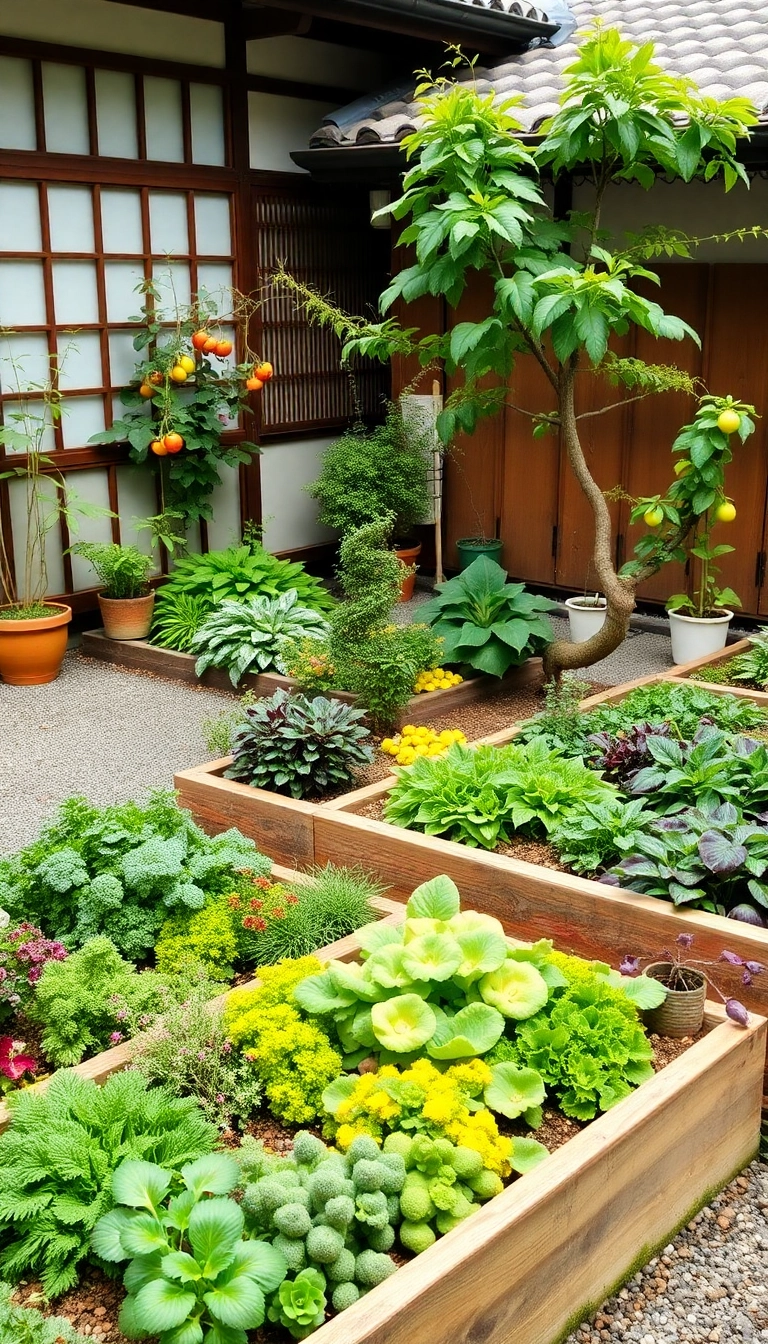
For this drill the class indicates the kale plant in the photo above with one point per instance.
(58, 1156)
(594, 835)
(246, 637)
(119, 870)
(192, 1276)
(708, 859)
(487, 623)
(305, 748)
(482, 795)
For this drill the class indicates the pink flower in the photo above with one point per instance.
(13, 1064)
(116, 1037)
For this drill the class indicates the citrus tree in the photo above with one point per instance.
(472, 202)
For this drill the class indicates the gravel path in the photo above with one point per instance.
(96, 730)
(710, 1284)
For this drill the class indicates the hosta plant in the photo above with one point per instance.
(302, 747)
(237, 574)
(709, 859)
(247, 636)
(481, 796)
(709, 770)
(192, 1276)
(487, 623)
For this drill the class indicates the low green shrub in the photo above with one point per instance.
(297, 746)
(26, 1325)
(122, 571)
(330, 904)
(58, 1156)
(119, 870)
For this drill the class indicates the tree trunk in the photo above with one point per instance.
(619, 592)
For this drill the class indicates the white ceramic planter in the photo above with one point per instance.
(696, 636)
(585, 620)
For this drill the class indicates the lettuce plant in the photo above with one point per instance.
(481, 795)
(487, 623)
(191, 1276)
(445, 983)
(594, 835)
(247, 637)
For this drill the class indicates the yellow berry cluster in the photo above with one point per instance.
(436, 679)
(413, 742)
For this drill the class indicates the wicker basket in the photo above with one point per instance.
(682, 1012)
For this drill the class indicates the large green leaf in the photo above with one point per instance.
(215, 1227)
(239, 1303)
(214, 1174)
(106, 1237)
(437, 899)
(339, 1090)
(527, 1154)
(144, 1235)
(263, 1263)
(513, 1091)
(141, 1185)
(473, 1031)
(404, 1023)
(162, 1305)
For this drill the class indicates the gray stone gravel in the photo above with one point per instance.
(709, 1284)
(96, 730)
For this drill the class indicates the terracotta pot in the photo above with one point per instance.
(408, 555)
(682, 1012)
(127, 617)
(31, 652)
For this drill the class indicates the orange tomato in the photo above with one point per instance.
(173, 442)
(223, 348)
(254, 384)
(264, 371)
(146, 391)
(199, 339)
(210, 345)
(158, 447)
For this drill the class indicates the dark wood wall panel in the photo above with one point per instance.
(530, 478)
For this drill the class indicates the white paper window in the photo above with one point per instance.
(212, 225)
(23, 361)
(66, 109)
(91, 487)
(122, 277)
(163, 119)
(17, 104)
(75, 299)
(81, 417)
(19, 216)
(168, 227)
(121, 221)
(136, 499)
(174, 292)
(54, 563)
(22, 296)
(116, 114)
(70, 214)
(206, 106)
(122, 357)
(216, 281)
(79, 360)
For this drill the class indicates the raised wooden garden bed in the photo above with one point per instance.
(537, 1259)
(140, 656)
(684, 671)
(542, 1255)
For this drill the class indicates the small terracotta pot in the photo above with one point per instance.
(31, 652)
(127, 617)
(682, 1012)
(408, 555)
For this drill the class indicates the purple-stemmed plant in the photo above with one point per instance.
(680, 963)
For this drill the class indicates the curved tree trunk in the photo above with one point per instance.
(619, 592)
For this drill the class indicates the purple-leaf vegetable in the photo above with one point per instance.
(737, 1012)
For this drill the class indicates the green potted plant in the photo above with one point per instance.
(33, 631)
(126, 601)
(369, 473)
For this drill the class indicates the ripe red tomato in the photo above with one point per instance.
(173, 443)
(199, 339)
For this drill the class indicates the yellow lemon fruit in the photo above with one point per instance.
(178, 374)
(187, 364)
(728, 421)
(726, 512)
(652, 517)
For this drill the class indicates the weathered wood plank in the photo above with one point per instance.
(536, 1259)
(282, 827)
(721, 656)
(719, 688)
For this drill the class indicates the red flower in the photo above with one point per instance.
(255, 905)
(263, 883)
(290, 899)
(12, 1063)
(255, 922)
(278, 912)
(233, 901)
